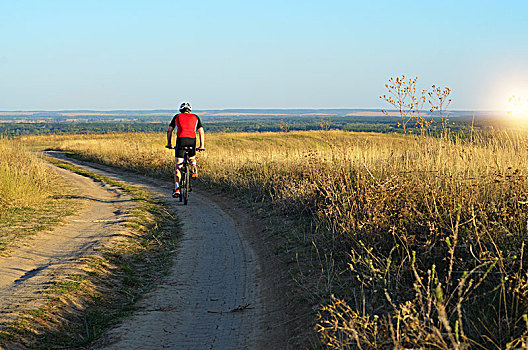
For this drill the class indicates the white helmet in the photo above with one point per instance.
(185, 106)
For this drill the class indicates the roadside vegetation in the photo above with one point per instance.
(30, 194)
(403, 241)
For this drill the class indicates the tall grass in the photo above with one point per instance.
(25, 180)
(30, 193)
(420, 239)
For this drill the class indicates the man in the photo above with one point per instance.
(186, 124)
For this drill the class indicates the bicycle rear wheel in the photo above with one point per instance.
(182, 183)
(186, 187)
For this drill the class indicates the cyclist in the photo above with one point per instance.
(186, 124)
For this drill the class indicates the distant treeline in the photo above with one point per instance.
(353, 123)
(20, 129)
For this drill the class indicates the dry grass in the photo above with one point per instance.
(29, 193)
(426, 234)
(25, 181)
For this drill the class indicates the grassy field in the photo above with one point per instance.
(402, 242)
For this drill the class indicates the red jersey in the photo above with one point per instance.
(186, 124)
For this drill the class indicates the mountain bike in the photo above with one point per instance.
(185, 175)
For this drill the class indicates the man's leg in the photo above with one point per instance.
(194, 169)
(177, 175)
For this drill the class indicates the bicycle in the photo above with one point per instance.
(185, 175)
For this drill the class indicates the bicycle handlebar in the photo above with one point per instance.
(188, 148)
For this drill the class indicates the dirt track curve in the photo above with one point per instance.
(214, 297)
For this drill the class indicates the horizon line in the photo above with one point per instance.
(231, 109)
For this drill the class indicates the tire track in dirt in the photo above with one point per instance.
(211, 298)
(194, 308)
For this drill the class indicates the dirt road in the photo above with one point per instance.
(214, 297)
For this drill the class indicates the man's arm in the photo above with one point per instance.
(201, 135)
(169, 137)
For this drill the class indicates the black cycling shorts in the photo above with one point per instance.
(185, 142)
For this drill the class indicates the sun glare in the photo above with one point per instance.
(518, 108)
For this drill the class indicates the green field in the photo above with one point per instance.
(234, 121)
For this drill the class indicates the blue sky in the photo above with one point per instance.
(245, 54)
